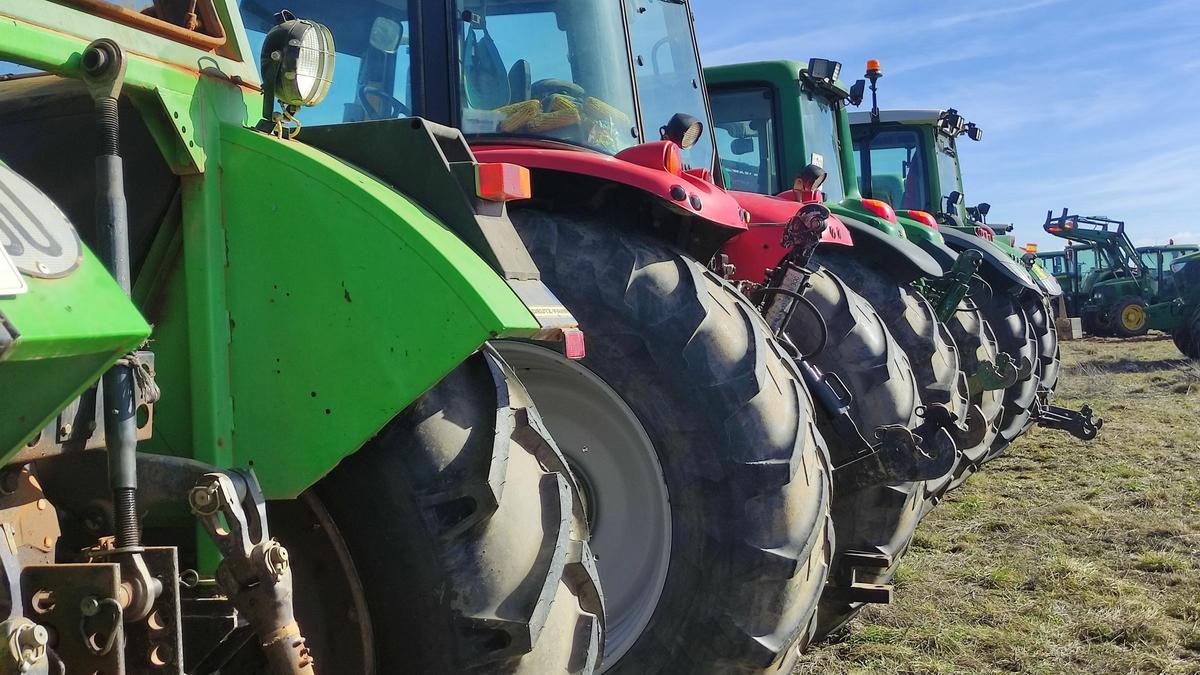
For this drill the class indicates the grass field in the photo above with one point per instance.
(1060, 556)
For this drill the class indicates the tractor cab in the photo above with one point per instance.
(607, 92)
(779, 120)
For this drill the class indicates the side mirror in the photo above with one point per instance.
(810, 178)
(742, 146)
(386, 35)
(857, 91)
(953, 200)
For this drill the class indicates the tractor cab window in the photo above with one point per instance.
(821, 144)
(668, 72)
(745, 130)
(556, 70)
(896, 173)
(947, 168)
(372, 69)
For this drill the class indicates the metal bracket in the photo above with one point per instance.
(902, 454)
(956, 284)
(855, 578)
(1077, 423)
(1001, 374)
(79, 603)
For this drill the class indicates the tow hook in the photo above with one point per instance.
(991, 376)
(255, 572)
(1078, 423)
(902, 454)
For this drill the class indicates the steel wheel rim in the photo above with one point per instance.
(1133, 317)
(620, 478)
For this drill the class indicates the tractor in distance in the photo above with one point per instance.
(1186, 275)
(315, 461)
(1126, 291)
(912, 157)
(1074, 262)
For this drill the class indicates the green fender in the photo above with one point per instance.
(997, 264)
(346, 302)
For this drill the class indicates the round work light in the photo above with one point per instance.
(297, 62)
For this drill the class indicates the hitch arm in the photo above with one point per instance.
(1077, 423)
(255, 572)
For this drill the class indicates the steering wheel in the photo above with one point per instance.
(392, 106)
(543, 88)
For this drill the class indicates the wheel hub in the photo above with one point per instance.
(619, 476)
(1133, 317)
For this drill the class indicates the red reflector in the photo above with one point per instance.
(882, 209)
(925, 218)
(501, 182)
(573, 337)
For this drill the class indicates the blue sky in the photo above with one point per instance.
(1087, 105)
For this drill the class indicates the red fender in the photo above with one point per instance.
(643, 167)
(759, 249)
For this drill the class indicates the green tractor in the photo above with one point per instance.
(1127, 291)
(315, 457)
(911, 157)
(690, 429)
(1185, 272)
(1075, 263)
(878, 300)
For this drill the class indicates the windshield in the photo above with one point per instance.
(820, 127)
(372, 69)
(947, 167)
(668, 72)
(556, 70)
(745, 130)
(895, 172)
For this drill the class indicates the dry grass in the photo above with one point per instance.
(1060, 556)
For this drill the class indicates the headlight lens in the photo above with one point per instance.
(299, 55)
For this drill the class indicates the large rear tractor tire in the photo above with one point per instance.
(930, 348)
(1041, 319)
(1015, 337)
(976, 345)
(454, 541)
(705, 477)
(1187, 335)
(859, 349)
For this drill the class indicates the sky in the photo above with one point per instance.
(1085, 104)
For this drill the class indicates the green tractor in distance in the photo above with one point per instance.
(686, 422)
(1073, 264)
(315, 455)
(911, 156)
(1130, 290)
(1185, 272)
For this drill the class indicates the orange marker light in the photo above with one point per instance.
(881, 209)
(502, 182)
(923, 217)
(673, 159)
